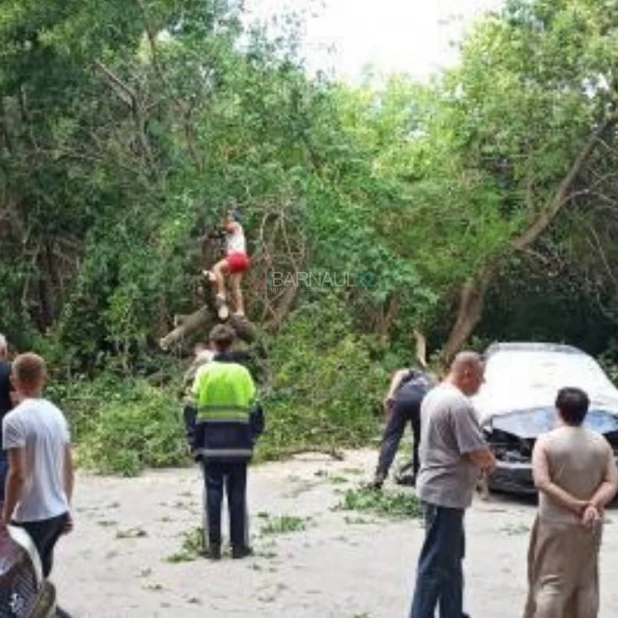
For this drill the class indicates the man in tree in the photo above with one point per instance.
(40, 481)
(225, 433)
(575, 473)
(235, 264)
(403, 405)
(452, 453)
(6, 403)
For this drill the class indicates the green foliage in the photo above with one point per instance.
(191, 549)
(125, 128)
(398, 505)
(283, 524)
(316, 399)
(123, 427)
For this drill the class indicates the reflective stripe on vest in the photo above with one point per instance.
(223, 414)
(223, 452)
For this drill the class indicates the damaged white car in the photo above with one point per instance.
(516, 404)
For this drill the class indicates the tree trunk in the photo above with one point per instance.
(202, 321)
(473, 291)
(471, 302)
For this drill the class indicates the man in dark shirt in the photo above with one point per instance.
(403, 403)
(6, 405)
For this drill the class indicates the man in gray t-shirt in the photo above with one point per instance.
(452, 455)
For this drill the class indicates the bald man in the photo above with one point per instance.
(453, 453)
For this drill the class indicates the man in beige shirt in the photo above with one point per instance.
(575, 473)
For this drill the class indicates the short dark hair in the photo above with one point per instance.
(572, 404)
(222, 337)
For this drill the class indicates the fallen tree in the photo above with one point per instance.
(201, 321)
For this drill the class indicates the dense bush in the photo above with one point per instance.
(321, 388)
(123, 426)
(326, 383)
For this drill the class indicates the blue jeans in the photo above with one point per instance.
(439, 580)
(402, 413)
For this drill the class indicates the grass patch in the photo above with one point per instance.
(191, 548)
(397, 505)
(283, 524)
(336, 479)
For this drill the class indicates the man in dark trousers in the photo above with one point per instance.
(453, 454)
(6, 404)
(226, 428)
(403, 404)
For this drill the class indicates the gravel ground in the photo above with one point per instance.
(125, 558)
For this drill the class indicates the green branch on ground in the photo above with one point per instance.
(393, 504)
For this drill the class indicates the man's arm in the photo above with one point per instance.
(483, 459)
(470, 441)
(396, 381)
(544, 483)
(69, 473)
(608, 488)
(15, 482)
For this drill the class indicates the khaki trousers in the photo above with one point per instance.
(563, 571)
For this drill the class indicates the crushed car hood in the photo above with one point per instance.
(529, 424)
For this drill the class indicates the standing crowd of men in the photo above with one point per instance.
(574, 471)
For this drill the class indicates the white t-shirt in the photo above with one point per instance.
(40, 427)
(235, 242)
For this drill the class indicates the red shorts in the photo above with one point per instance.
(238, 263)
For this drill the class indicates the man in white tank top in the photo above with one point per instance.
(235, 264)
(575, 473)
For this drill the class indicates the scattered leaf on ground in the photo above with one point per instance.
(398, 505)
(283, 524)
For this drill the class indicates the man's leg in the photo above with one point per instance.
(217, 275)
(213, 477)
(393, 432)
(564, 582)
(439, 568)
(415, 420)
(237, 505)
(45, 535)
(451, 601)
(235, 282)
(586, 601)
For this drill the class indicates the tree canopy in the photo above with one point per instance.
(481, 204)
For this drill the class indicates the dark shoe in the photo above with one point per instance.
(212, 553)
(60, 613)
(376, 484)
(241, 552)
(406, 479)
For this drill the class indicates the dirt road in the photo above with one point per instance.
(125, 557)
